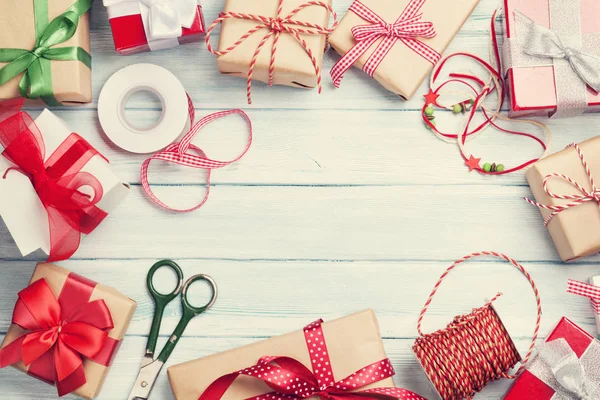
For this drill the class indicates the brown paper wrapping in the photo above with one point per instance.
(576, 231)
(121, 308)
(402, 71)
(353, 343)
(71, 80)
(293, 66)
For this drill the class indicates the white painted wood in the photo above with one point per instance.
(344, 202)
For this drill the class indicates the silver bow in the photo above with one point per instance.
(544, 43)
(166, 17)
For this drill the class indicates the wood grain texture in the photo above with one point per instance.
(344, 202)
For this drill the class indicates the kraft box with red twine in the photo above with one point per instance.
(340, 359)
(551, 57)
(565, 189)
(397, 42)
(55, 187)
(151, 25)
(66, 330)
(566, 367)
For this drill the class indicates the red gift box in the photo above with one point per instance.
(132, 28)
(576, 351)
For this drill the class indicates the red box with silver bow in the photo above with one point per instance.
(565, 367)
(150, 25)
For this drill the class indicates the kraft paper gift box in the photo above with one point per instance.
(72, 291)
(71, 80)
(402, 69)
(137, 27)
(575, 231)
(293, 66)
(353, 342)
(566, 367)
(541, 86)
(20, 207)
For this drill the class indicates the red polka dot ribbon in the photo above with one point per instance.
(290, 379)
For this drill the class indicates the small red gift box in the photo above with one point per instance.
(150, 25)
(566, 367)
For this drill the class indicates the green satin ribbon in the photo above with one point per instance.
(36, 63)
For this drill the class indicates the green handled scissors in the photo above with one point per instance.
(151, 367)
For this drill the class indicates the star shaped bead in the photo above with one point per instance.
(473, 163)
(431, 97)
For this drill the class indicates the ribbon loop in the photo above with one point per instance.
(592, 292)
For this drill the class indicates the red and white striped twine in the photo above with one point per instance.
(577, 199)
(276, 25)
(178, 153)
(474, 349)
(592, 292)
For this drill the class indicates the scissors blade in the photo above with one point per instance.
(145, 381)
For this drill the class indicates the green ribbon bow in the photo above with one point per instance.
(37, 78)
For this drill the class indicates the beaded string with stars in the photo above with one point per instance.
(476, 91)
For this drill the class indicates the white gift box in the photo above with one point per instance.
(20, 207)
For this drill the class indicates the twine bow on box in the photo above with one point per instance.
(407, 29)
(276, 26)
(593, 194)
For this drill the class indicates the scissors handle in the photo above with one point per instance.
(188, 312)
(160, 300)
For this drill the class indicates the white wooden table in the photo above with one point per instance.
(344, 202)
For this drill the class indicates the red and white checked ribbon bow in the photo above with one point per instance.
(586, 290)
(577, 199)
(178, 153)
(276, 26)
(407, 28)
(290, 379)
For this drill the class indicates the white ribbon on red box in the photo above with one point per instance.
(163, 19)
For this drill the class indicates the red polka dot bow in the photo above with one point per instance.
(290, 379)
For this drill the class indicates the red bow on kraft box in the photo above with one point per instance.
(565, 367)
(52, 336)
(290, 379)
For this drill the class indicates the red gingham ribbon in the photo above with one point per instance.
(290, 379)
(406, 29)
(577, 199)
(276, 25)
(178, 153)
(586, 290)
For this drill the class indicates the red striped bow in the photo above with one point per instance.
(586, 290)
(593, 194)
(407, 28)
(290, 379)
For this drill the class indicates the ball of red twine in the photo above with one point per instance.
(474, 349)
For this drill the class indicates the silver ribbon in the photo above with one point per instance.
(572, 378)
(574, 56)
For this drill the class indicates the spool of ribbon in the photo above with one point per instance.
(290, 379)
(57, 180)
(35, 63)
(407, 29)
(592, 292)
(275, 27)
(61, 333)
(593, 194)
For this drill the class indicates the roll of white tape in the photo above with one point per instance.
(136, 78)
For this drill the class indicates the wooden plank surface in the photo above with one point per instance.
(344, 202)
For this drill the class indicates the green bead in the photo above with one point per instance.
(472, 101)
(500, 168)
(487, 167)
(428, 126)
(429, 110)
(457, 109)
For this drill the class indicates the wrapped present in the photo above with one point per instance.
(566, 367)
(551, 57)
(45, 51)
(591, 291)
(66, 330)
(150, 25)
(327, 360)
(280, 42)
(564, 188)
(397, 42)
(55, 185)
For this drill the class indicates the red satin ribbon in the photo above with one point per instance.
(62, 332)
(290, 379)
(56, 181)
